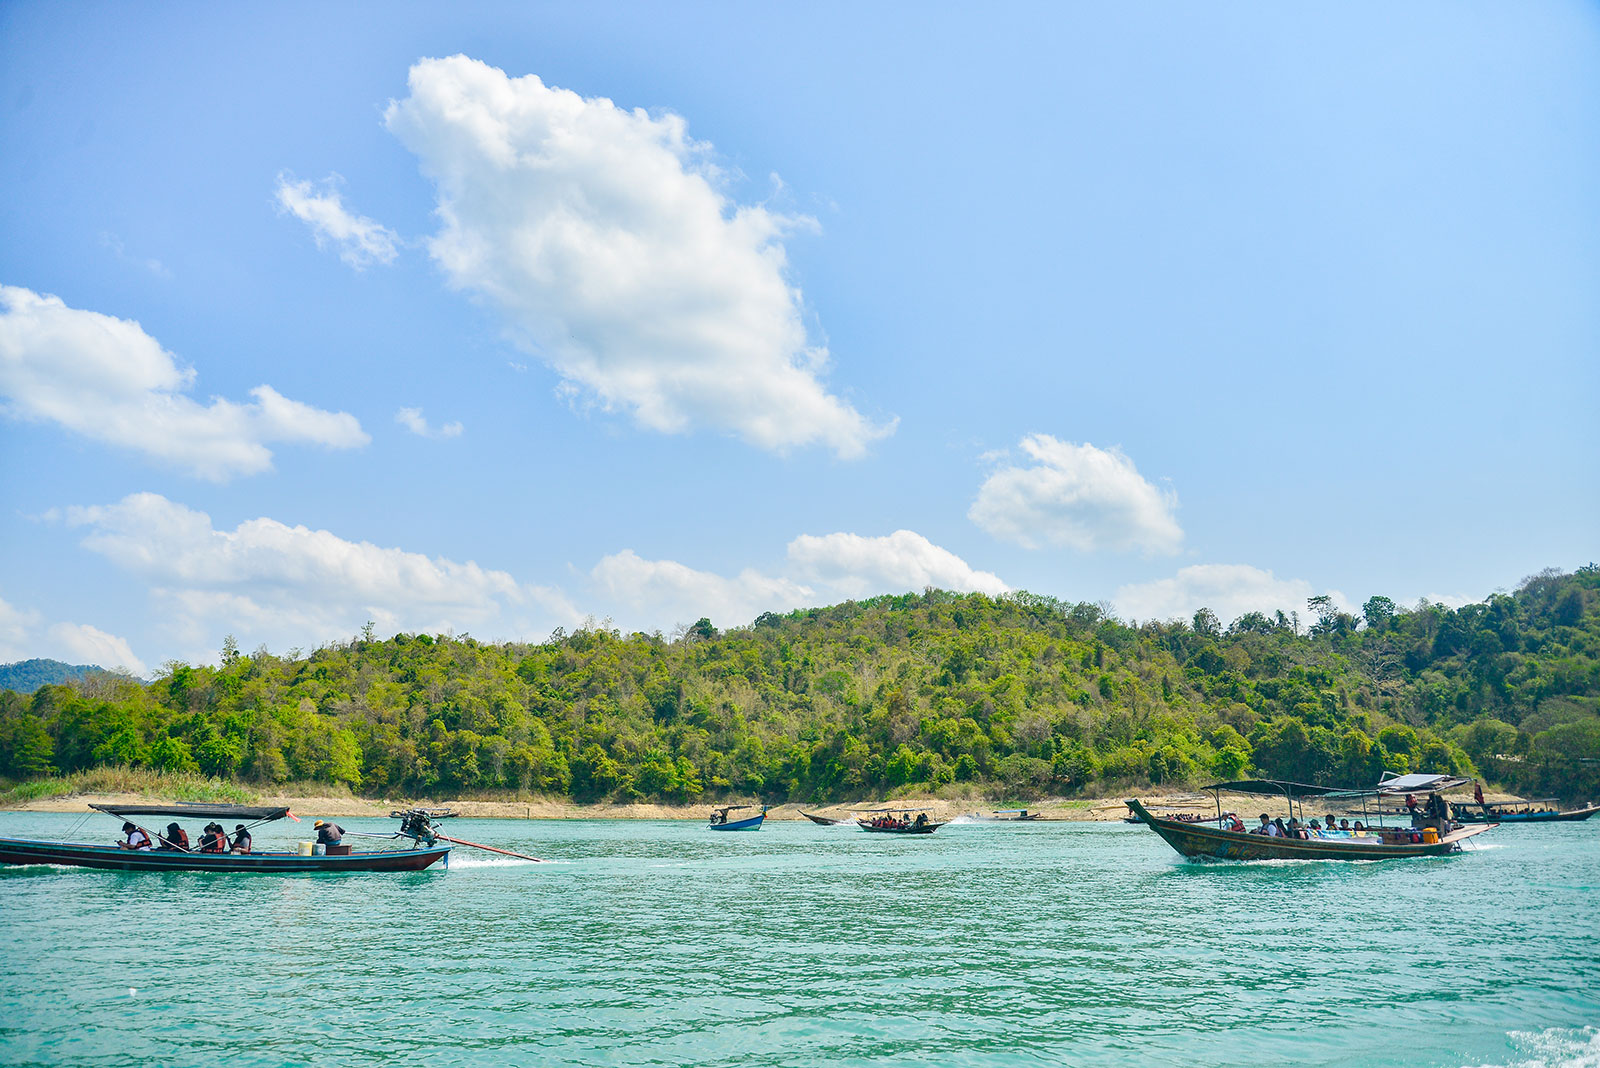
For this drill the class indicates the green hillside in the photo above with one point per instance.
(1020, 696)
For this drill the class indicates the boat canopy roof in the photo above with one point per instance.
(197, 810)
(1278, 786)
(1420, 784)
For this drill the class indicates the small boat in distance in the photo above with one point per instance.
(1523, 812)
(1007, 815)
(423, 851)
(721, 822)
(898, 821)
(823, 820)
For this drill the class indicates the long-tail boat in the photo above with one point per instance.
(899, 821)
(1521, 812)
(1007, 815)
(424, 848)
(823, 820)
(1378, 843)
(721, 822)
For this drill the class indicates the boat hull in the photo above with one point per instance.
(751, 824)
(19, 851)
(1574, 816)
(1194, 840)
(823, 820)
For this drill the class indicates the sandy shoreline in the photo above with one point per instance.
(1083, 810)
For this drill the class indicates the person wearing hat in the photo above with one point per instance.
(328, 833)
(241, 839)
(137, 839)
(176, 838)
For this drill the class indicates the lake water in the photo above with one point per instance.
(661, 943)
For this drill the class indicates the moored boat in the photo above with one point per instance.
(1521, 812)
(172, 856)
(1007, 815)
(721, 822)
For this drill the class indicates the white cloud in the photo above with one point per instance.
(412, 420)
(602, 237)
(1229, 590)
(360, 241)
(107, 379)
(832, 567)
(855, 566)
(665, 589)
(84, 644)
(1077, 496)
(265, 581)
(24, 637)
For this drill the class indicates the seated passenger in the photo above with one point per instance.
(136, 839)
(241, 839)
(1344, 826)
(176, 838)
(214, 840)
(1234, 823)
(328, 833)
(1283, 832)
(1360, 828)
(1266, 827)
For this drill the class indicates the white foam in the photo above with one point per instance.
(1554, 1047)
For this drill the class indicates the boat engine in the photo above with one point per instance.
(418, 823)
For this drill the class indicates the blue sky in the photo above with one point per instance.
(492, 318)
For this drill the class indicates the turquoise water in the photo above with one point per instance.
(660, 943)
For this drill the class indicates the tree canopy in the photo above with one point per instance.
(1021, 695)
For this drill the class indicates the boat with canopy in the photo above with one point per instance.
(898, 821)
(1524, 812)
(1374, 843)
(419, 845)
(720, 820)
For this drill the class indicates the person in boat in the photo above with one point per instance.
(214, 839)
(136, 838)
(1232, 822)
(176, 838)
(718, 816)
(241, 839)
(1344, 826)
(1283, 832)
(1411, 802)
(328, 833)
(1266, 826)
(922, 819)
(1360, 828)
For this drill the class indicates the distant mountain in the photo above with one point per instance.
(26, 676)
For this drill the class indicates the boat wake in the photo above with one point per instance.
(461, 863)
(1554, 1047)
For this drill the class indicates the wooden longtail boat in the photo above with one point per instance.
(1197, 840)
(823, 820)
(904, 824)
(1505, 813)
(1007, 815)
(14, 851)
(721, 822)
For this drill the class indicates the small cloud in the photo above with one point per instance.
(1077, 496)
(114, 243)
(360, 241)
(412, 420)
(107, 379)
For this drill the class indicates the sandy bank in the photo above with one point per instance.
(1095, 810)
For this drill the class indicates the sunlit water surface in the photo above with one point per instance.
(661, 943)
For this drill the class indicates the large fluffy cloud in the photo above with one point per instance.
(855, 566)
(821, 568)
(1077, 496)
(602, 236)
(359, 240)
(107, 379)
(267, 581)
(1229, 590)
(24, 636)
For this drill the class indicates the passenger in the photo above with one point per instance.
(176, 838)
(1315, 830)
(241, 839)
(1283, 832)
(1411, 802)
(1359, 828)
(1235, 824)
(214, 840)
(1344, 826)
(136, 839)
(328, 833)
(1266, 827)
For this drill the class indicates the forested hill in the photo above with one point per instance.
(1021, 696)
(26, 676)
